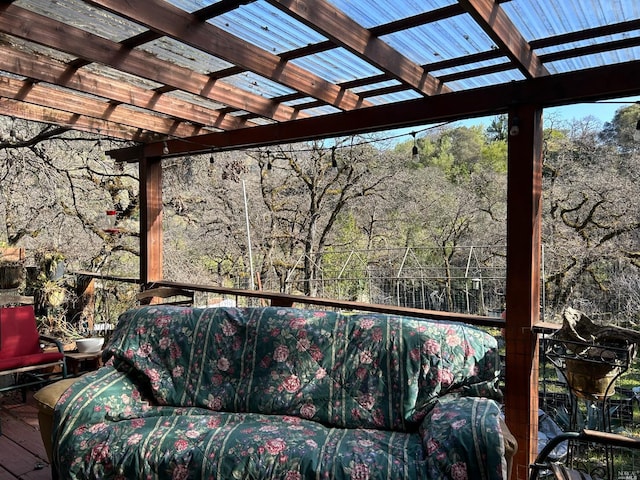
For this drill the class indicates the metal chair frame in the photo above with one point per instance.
(562, 472)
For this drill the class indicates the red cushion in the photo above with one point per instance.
(29, 360)
(18, 332)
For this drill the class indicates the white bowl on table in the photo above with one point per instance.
(90, 345)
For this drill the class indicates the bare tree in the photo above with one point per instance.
(591, 220)
(204, 228)
(305, 192)
(56, 187)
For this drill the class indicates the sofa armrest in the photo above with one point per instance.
(464, 437)
(46, 399)
(510, 446)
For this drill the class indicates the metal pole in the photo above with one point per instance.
(466, 279)
(246, 217)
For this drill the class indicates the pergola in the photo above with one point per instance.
(195, 76)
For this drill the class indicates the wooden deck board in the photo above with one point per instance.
(25, 435)
(22, 453)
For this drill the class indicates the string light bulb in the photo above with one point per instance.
(12, 131)
(165, 148)
(515, 126)
(415, 155)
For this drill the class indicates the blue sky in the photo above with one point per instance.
(603, 111)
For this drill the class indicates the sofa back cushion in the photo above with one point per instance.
(355, 371)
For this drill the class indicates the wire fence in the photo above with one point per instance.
(464, 280)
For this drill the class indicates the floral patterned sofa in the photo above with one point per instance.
(257, 393)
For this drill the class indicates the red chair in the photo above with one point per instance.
(22, 351)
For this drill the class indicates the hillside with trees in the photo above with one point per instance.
(357, 218)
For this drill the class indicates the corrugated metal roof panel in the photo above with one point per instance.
(78, 14)
(192, 5)
(486, 80)
(394, 97)
(544, 18)
(121, 76)
(262, 121)
(299, 101)
(454, 46)
(472, 66)
(337, 65)
(323, 110)
(453, 37)
(30, 47)
(178, 53)
(376, 86)
(594, 60)
(601, 40)
(265, 26)
(256, 84)
(379, 12)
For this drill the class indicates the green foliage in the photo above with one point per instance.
(497, 131)
(494, 156)
(223, 266)
(459, 152)
(619, 131)
(350, 271)
(555, 141)
(348, 232)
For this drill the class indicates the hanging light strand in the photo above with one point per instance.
(334, 163)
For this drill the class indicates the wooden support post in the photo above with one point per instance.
(524, 200)
(150, 219)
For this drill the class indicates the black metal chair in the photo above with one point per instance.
(545, 467)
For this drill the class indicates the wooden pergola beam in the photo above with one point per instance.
(38, 113)
(58, 99)
(44, 69)
(37, 28)
(607, 82)
(497, 24)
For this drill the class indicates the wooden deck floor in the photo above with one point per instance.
(22, 454)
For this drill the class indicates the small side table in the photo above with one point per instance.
(83, 362)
